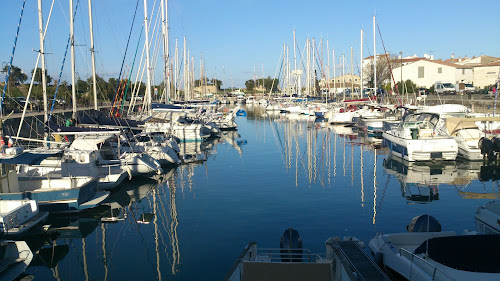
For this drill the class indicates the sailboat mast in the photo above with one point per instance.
(72, 36)
(185, 71)
(42, 54)
(374, 58)
(361, 60)
(167, 60)
(164, 34)
(334, 75)
(343, 74)
(352, 72)
(148, 70)
(92, 52)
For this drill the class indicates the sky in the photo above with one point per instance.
(239, 40)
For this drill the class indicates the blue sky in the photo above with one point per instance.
(237, 36)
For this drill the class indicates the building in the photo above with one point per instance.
(340, 83)
(486, 74)
(425, 73)
(206, 90)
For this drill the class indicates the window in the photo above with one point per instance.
(463, 71)
(356, 80)
(420, 72)
(440, 70)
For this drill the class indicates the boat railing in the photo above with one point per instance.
(287, 255)
(427, 267)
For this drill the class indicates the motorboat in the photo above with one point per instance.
(488, 218)
(159, 147)
(342, 261)
(416, 139)
(467, 134)
(427, 253)
(15, 256)
(19, 216)
(109, 152)
(55, 191)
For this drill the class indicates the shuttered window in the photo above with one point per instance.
(420, 72)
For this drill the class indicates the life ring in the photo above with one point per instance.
(317, 108)
(226, 110)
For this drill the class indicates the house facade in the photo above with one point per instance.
(425, 73)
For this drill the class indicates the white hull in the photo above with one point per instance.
(424, 149)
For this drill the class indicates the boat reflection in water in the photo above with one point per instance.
(86, 246)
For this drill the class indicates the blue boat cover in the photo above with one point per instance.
(27, 158)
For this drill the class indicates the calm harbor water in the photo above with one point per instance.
(275, 172)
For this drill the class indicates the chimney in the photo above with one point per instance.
(452, 56)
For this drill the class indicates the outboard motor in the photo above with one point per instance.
(291, 244)
(486, 146)
(496, 144)
(424, 223)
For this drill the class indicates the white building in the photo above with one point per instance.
(486, 75)
(424, 73)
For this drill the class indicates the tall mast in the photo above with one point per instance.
(334, 76)
(42, 54)
(295, 72)
(165, 54)
(343, 74)
(185, 71)
(94, 86)
(374, 58)
(176, 70)
(352, 72)
(148, 70)
(167, 61)
(361, 59)
(72, 36)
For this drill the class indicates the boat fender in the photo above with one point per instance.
(129, 172)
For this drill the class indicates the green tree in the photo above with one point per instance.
(250, 85)
(38, 76)
(271, 84)
(16, 75)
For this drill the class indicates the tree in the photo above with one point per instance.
(250, 85)
(384, 66)
(271, 84)
(16, 74)
(38, 76)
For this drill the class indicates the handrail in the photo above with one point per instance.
(408, 253)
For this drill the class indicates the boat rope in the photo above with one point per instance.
(9, 66)
(126, 48)
(390, 67)
(62, 68)
(131, 69)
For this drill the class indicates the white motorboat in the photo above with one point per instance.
(426, 253)
(53, 189)
(15, 256)
(416, 139)
(19, 216)
(488, 218)
(158, 147)
(467, 134)
(343, 261)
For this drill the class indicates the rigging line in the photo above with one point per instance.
(389, 64)
(33, 75)
(131, 70)
(61, 71)
(126, 47)
(11, 59)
